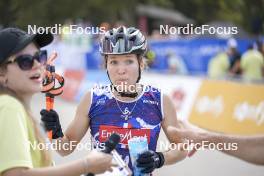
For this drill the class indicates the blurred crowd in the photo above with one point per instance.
(231, 63)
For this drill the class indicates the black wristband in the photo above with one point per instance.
(161, 159)
(57, 134)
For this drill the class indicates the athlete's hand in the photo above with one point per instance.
(150, 160)
(51, 122)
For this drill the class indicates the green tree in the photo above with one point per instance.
(246, 13)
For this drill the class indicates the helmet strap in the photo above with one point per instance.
(139, 70)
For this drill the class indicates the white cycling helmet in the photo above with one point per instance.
(123, 40)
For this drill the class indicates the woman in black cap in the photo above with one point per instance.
(21, 72)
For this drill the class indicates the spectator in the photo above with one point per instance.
(21, 71)
(225, 62)
(176, 64)
(252, 63)
(234, 57)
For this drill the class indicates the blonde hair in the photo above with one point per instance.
(45, 154)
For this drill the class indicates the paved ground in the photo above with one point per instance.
(203, 163)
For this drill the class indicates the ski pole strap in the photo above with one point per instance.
(49, 83)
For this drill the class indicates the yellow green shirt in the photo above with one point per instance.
(252, 63)
(16, 132)
(218, 66)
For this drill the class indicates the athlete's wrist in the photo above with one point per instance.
(161, 159)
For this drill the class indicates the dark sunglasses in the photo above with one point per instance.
(26, 61)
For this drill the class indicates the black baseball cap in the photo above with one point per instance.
(13, 40)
